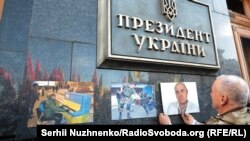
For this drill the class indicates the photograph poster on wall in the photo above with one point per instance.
(180, 97)
(60, 102)
(132, 100)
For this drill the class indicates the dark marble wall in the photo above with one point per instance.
(14, 36)
(61, 35)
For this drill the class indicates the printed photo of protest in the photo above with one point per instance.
(132, 100)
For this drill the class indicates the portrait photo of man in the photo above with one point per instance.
(179, 98)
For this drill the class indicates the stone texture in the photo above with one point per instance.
(226, 45)
(83, 61)
(70, 20)
(11, 75)
(51, 54)
(15, 25)
(13, 62)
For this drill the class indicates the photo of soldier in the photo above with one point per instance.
(132, 100)
(147, 103)
(126, 98)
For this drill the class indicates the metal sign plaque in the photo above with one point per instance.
(167, 32)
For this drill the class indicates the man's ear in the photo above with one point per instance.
(223, 100)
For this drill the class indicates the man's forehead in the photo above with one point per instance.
(180, 85)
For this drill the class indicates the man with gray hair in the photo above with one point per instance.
(182, 105)
(229, 96)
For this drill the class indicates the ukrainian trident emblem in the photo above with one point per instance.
(169, 9)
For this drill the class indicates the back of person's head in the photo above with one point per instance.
(235, 88)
